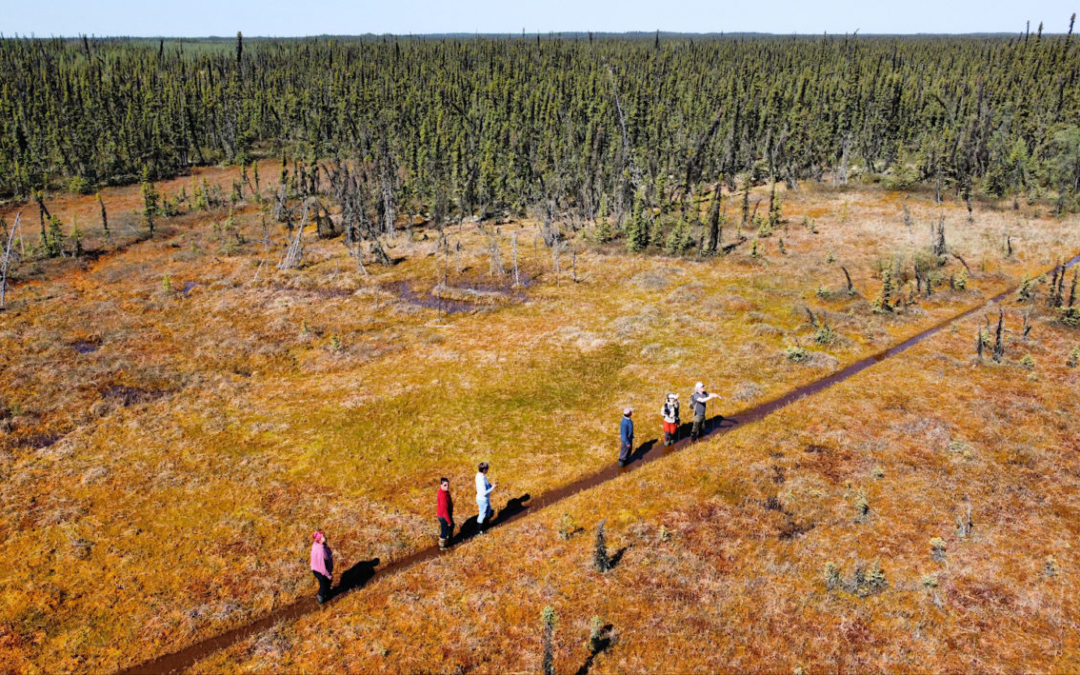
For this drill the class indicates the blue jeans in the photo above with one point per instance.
(484, 506)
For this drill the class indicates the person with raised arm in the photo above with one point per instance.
(697, 402)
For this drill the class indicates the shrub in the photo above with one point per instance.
(1026, 292)
(882, 303)
(862, 506)
(1070, 316)
(79, 184)
(54, 239)
(601, 559)
(548, 617)
(824, 293)
(796, 354)
(879, 473)
(824, 335)
(765, 230)
(1027, 363)
(1050, 567)
(937, 549)
(1074, 358)
(961, 281)
(567, 527)
(166, 284)
(679, 240)
(833, 580)
(865, 581)
(929, 581)
(868, 581)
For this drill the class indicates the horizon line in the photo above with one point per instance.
(526, 35)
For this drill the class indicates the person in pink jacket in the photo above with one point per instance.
(322, 565)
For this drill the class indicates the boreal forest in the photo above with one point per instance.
(581, 125)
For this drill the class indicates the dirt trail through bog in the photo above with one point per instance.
(368, 571)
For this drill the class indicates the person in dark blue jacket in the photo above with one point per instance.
(626, 437)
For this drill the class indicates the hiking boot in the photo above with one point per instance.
(621, 463)
(320, 599)
(442, 543)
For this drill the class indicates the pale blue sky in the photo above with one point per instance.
(314, 17)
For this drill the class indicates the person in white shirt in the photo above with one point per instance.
(483, 497)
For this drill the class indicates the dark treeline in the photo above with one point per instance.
(459, 126)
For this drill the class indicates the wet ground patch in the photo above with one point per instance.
(126, 396)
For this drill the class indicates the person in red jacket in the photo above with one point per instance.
(445, 511)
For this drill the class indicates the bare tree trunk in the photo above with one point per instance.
(7, 258)
(517, 278)
(850, 286)
(296, 249)
(635, 173)
(388, 207)
(845, 147)
(555, 247)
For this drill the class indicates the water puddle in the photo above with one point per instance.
(129, 396)
(85, 347)
(458, 298)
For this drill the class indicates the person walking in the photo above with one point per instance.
(626, 436)
(483, 497)
(444, 509)
(697, 402)
(322, 565)
(670, 413)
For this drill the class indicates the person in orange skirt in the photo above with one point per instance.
(670, 413)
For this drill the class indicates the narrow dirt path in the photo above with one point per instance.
(367, 571)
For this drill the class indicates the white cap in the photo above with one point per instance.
(627, 410)
(699, 385)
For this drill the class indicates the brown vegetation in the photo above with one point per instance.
(179, 414)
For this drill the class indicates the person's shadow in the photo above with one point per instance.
(355, 577)
(641, 451)
(470, 528)
(711, 425)
(513, 507)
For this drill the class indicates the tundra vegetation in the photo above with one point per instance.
(208, 352)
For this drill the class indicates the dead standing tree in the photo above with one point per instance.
(7, 260)
(494, 252)
(295, 253)
(347, 189)
(999, 339)
(517, 277)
